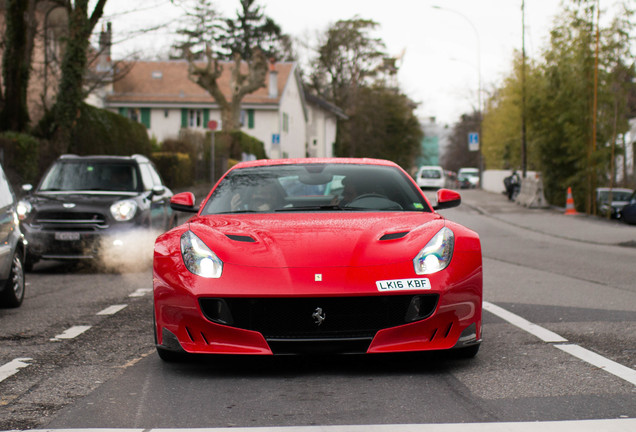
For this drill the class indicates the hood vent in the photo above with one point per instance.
(394, 236)
(241, 238)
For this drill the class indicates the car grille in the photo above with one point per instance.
(69, 221)
(352, 318)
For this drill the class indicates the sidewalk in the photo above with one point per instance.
(552, 221)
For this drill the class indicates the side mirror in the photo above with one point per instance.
(158, 190)
(184, 202)
(447, 198)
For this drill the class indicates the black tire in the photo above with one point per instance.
(170, 356)
(13, 290)
(29, 261)
(466, 352)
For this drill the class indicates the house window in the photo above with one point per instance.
(195, 118)
(285, 122)
(250, 119)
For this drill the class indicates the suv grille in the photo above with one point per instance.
(70, 221)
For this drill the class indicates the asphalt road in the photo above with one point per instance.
(83, 354)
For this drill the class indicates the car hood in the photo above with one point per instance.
(317, 240)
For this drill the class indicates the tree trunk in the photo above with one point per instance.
(71, 92)
(16, 64)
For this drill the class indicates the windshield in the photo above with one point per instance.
(431, 173)
(616, 195)
(315, 187)
(90, 176)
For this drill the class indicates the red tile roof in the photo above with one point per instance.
(168, 82)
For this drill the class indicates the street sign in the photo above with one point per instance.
(473, 141)
(213, 124)
(275, 138)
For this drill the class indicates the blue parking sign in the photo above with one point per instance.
(473, 141)
(275, 138)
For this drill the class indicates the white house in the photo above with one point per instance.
(160, 95)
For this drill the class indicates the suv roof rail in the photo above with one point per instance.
(141, 158)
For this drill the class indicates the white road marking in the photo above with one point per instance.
(542, 333)
(577, 351)
(13, 367)
(141, 292)
(111, 310)
(599, 361)
(71, 333)
(608, 425)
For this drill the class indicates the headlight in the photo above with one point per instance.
(437, 254)
(23, 208)
(124, 210)
(198, 258)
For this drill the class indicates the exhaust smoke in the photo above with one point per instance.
(126, 252)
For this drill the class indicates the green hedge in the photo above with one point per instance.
(174, 168)
(20, 157)
(99, 132)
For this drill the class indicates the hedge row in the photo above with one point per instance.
(180, 162)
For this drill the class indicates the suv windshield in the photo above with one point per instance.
(315, 187)
(90, 176)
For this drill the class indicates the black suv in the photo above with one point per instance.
(12, 248)
(86, 207)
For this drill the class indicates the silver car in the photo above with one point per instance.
(12, 248)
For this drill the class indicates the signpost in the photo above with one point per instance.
(212, 125)
(473, 141)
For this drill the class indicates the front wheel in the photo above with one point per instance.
(12, 293)
(466, 352)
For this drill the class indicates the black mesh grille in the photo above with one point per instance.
(72, 221)
(296, 318)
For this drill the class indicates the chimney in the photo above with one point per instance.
(273, 79)
(105, 42)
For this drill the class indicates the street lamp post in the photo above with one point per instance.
(479, 108)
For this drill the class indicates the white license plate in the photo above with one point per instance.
(404, 284)
(67, 236)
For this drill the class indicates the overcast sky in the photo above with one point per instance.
(446, 50)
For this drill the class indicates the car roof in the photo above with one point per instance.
(607, 189)
(305, 161)
(104, 158)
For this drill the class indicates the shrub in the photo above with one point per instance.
(175, 168)
(20, 156)
(101, 132)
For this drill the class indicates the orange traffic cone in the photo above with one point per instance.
(569, 204)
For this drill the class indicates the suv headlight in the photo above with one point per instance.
(124, 210)
(198, 258)
(437, 253)
(23, 209)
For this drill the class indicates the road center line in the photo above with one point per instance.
(542, 333)
(111, 310)
(141, 292)
(13, 367)
(599, 361)
(577, 351)
(71, 333)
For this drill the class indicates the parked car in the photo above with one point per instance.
(619, 196)
(317, 256)
(12, 248)
(628, 212)
(468, 178)
(86, 205)
(430, 177)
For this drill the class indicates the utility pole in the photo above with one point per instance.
(524, 162)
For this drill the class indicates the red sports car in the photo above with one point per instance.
(317, 255)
